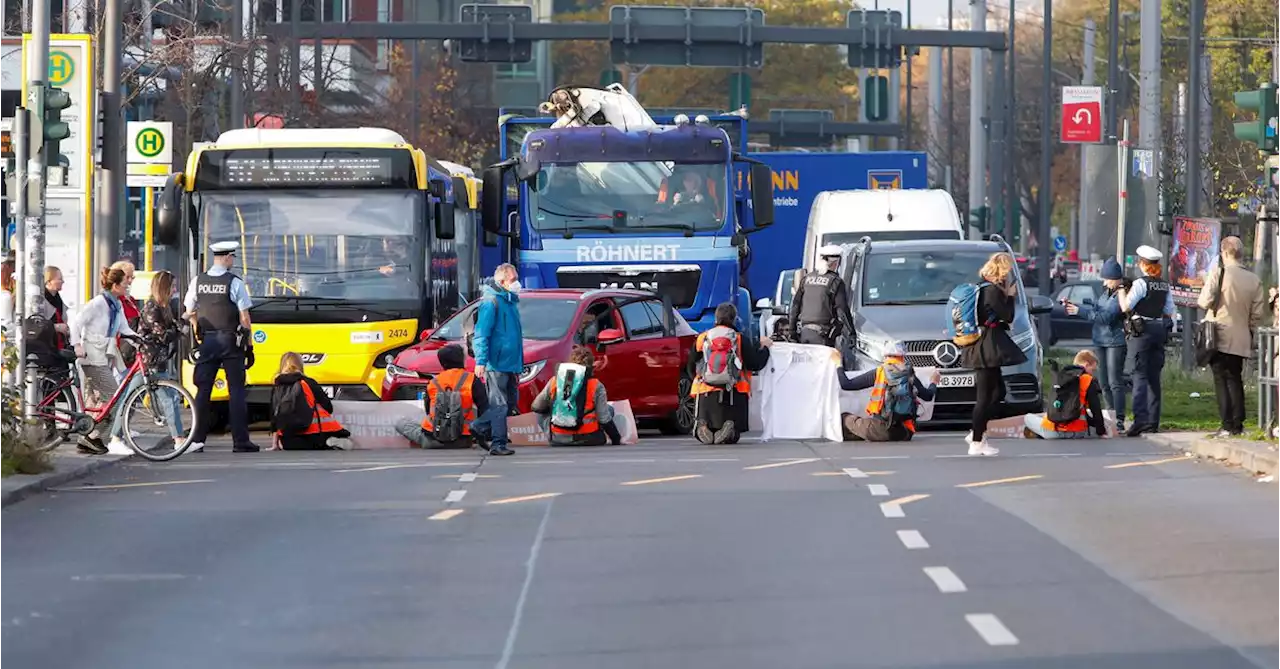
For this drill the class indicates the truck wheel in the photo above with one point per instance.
(682, 419)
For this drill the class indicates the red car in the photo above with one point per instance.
(642, 347)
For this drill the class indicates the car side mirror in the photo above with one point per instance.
(1040, 304)
(168, 220)
(764, 303)
(609, 336)
(425, 334)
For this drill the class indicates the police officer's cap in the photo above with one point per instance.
(224, 248)
(830, 251)
(1149, 253)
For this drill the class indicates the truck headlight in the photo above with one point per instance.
(531, 370)
(395, 371)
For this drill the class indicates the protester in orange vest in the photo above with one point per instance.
(722, 384)
(301, 412)
(895, 389)
(581, 418)
(1075, 408)
(453, 399)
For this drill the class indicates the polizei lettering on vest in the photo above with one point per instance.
(599, 252)
(211, 288)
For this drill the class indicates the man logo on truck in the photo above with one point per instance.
(638, 285)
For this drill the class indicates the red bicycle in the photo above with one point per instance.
(158, 414)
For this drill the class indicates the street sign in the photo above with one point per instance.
(633, 41)
(1144, 163)
(1059, 243)
(71, 68)
(66, 244)
(149, 149)
(1082, 114)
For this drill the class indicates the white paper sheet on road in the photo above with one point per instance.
(373, 424)
(799, 393)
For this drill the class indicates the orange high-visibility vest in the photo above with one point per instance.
(324, 423)
(743, 385)
(590, 424)
(449, 380)
(1079, 424)
(876, 405)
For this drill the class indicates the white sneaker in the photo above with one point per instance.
(117, 447)
(982, 448)
(968, 438)
(195, 447)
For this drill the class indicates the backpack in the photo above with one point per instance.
(963, 324)
(569, 404)
(1066, 405)
(899, 393)
(448, 416)
(292, 413)
(721, 366)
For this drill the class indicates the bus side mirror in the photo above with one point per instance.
(762, 195)
(493, 198)
(446, 227)
(168, 223)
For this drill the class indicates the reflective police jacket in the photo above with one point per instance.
(822, 299)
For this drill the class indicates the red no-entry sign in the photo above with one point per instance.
(1082, 114)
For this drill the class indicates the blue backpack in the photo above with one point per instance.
(899, 393)
(963, 325)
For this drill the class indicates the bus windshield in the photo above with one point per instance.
(338, 245)
(629, 197)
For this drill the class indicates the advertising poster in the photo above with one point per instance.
(1195, 249)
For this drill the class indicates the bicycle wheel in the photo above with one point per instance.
(57, 415)
(163, 416)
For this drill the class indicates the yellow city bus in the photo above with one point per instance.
(347, 245)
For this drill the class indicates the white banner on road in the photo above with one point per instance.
(373, 424)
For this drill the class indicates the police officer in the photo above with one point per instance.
(218, 302)
(1149, 310)
(820, 308)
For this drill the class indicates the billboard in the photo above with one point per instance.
(1195, 247)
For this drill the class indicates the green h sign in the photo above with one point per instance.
(150, 142)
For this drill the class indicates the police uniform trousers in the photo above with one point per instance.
(811, 336)
(218, 350)
(1145, 364)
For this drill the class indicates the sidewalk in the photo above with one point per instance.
(1256, 457)
(67, 466)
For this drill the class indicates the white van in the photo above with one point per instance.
(846, 216)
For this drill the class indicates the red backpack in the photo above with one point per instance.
(721, 366)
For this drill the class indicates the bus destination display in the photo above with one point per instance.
(308, 171)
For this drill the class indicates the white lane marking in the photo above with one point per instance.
(892, 510)
(945, 579)
(1047, 455)
(881, 457)
(855, 473)
(786, 463)
(958, 455)
(446, 514)
(542, 462)
(878, 490)
(709, 460)
(912, 539)
(413, 466)
(455, 496)
(1137, 455)
(989, 627)
(510, 646)
(467, 478)
(123, 486)
(129, 578)
(631, 461)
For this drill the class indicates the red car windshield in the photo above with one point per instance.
(545, 319)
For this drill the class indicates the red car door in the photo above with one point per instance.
(647, 359)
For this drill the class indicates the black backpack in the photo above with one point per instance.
(292, 413)
(448, 416)
(1066, 405)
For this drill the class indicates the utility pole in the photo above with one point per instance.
(1113, 69)
(1043, 243)
(1085, 210)
(33, 223)
(1013, 210)
(1195, 161)
(951, 100)
(977, 107)
(911, 84)
(1149, 103)
(1204, 98)
(935, 116)
(237, 64)
(106, 230)
(21, 139)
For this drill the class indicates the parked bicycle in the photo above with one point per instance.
(158, 414)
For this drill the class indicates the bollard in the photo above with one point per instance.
(1268, 384)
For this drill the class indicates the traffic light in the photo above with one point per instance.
(1262, 130)
(55, 129)
(978, 219)
(875, 98)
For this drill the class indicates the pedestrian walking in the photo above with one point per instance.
(820, 308)
(722, 384)
(160, 330)
(93, 335)
(453, 399)
(1237, 306)
(896, 393)
(498, 342)
(301, 411)
(1149, 310)
(218, 303)
(1108, 339)
(132, 310)
(993, 349)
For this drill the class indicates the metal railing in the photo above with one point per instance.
(1268, 383)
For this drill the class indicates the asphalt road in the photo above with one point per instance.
(667, 554)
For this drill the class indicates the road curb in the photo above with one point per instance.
(1253, 457)
(41, 482)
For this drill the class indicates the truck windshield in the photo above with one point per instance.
(338, 245)
(629, 197)
(918, 277)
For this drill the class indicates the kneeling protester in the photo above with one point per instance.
(454, 397)
(896, 393)
(1075, 409)
(301, 412)
(577, 404)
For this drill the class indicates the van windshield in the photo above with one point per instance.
(838, 238)
(918, 277)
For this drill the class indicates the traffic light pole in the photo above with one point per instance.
(33, 221)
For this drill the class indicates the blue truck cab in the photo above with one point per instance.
(664, 208)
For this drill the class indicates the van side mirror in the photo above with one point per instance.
(168, 223)
(764, 303)
(1040, 304)
(762, 195)
(493, 200)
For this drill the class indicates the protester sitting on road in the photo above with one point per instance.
(1108, 338)
(1233, 297)
(301, 411)
(499, 351)
(453, 400)
(722, 384)
(576, 404)
(1075, 408)
(93, 334)
(895, 395)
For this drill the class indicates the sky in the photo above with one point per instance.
(926, 13)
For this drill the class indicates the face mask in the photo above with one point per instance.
(514, 286)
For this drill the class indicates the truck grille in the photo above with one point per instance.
(678, 285)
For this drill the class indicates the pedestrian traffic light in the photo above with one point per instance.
(1261, 130)
(55, 129)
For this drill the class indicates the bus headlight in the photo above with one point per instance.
(531, 370)
(396, 371)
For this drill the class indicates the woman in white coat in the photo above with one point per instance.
(93, 334)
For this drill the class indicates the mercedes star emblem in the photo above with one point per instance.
(946, 354)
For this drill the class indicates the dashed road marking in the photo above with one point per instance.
(855, 473)
(626, 461)
(709, 460)
(472, 476)
(467, 478)
(1015, 479)
(989, 627)
(455, 496)
(878, 490)
(912, 539)
(908, 499)
(891, 510)
(525, 498)
(446, 514)
(1162, 461)
(785, 463)
(121, 486)
(407, 466)
(945, 579)
(882, 473)
(665, 479)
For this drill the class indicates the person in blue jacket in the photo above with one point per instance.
(498, 345)
(1108, 338)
